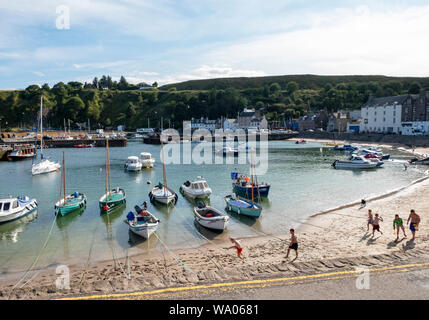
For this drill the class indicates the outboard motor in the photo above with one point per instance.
(201, 204)
(138, 209)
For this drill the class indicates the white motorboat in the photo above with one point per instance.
(15, 208)
(228, 151)
(45, 165)
(196, 189)
(210, 217)
(142, 222)
(147, 160)
(374, 160)
(359, 162)
(133, 164)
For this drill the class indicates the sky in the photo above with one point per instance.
(172, 41)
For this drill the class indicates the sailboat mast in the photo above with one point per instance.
(41, 127)
(64, 178)
(108, 169)
(163, 166)
(251, 172)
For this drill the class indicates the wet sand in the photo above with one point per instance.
(336, 239)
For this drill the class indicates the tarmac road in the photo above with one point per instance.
(408, 281)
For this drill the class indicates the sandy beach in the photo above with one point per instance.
(337, 239)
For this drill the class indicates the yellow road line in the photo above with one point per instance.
(241, 283)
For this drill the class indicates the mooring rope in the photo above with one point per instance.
(173, 255)
(36, 259)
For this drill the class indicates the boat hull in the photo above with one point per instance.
(28, 208)
(117, 199)
(144, 230)
(254, 211)
(349, 165)
(170, 197)
(62, 209)
(44, 167)
(247, 191)
(215, 223)
(200, 195)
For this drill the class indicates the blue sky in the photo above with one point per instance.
(171, 41)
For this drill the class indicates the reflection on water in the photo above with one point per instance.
(11, 230)
(301, 177)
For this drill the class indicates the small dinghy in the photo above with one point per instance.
(142, 222)
(69, 203)
(162, 193)
(15, 208)
(196, 189)
(243, 206)
(210, 217)
(113, 197)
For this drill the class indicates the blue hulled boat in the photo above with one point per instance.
(242, 186)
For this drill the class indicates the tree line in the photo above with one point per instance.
(106, 103)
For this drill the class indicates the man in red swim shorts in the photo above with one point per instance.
(237, 246)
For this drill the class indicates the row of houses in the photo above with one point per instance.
(248, 119)
(406, 114)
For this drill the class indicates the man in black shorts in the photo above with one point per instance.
(293, 244)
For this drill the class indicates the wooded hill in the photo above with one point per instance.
(109, 103)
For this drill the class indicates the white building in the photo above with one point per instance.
(415, 128)
(204, 123)
(382, 115)
(230, 124)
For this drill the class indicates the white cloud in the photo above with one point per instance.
(360, 41)
(39, 73)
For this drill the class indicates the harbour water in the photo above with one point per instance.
(301, 177)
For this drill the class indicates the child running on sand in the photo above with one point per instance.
(398, 224)
(293, 243)
(370, 218)
(376, 224)
(237, 246)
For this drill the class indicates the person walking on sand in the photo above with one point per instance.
(398, 224)
(415, 220)
(370, 219)
(237, 246)
(376, 224)
(293, 244)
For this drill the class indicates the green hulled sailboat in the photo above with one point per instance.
(69, 203)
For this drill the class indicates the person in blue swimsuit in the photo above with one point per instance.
(415, 220)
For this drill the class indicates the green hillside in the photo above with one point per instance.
(108, 103)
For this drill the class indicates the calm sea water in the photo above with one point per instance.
(302, 183)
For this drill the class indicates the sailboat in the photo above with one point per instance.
(69, 203)
(112, 198)
(243, 206)
(241, 184)
(162, 193)
(45, 165)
